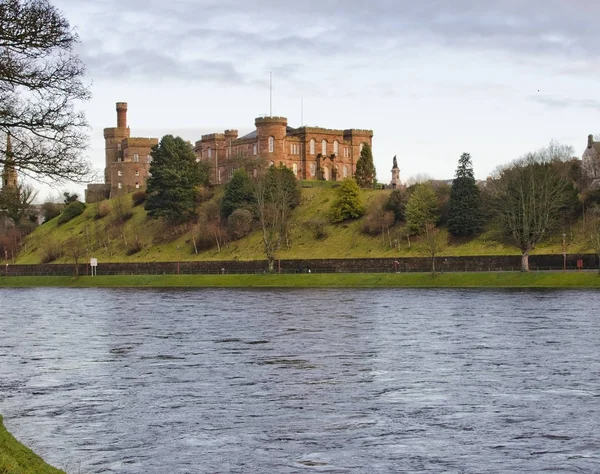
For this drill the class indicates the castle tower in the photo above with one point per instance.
(271, 133)
(113, 138)
(9, 173)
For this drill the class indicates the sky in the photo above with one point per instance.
(432, 78)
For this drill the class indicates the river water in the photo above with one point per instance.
(265, 381)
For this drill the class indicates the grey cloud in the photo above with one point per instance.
(244, 31)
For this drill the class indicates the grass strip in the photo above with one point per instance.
(322, 280)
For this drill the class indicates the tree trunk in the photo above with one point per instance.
(525, 261)
(271, 263)
(433, 264)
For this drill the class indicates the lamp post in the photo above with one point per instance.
(178, 259)
(564, 252)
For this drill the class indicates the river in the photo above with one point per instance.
(337, 381)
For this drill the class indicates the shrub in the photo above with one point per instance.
(347, 204)
(134, 247)
(102, 210)
(139, 197)
(318, 228)
(51, 251)
(71, 211)
(50, 210)
(397, 204)
(240, 224)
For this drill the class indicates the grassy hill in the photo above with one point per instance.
(111, 240)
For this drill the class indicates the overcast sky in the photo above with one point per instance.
(432, 78)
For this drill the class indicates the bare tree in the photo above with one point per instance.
(276, 193)
(434, 242)
(529, 196)
(40, 85)
(17, 203)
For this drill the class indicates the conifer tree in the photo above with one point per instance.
(174, 181)
(365, 169)
(465, 215)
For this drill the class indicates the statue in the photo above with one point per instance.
(395, 174)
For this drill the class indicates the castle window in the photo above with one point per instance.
(148, 158)
(312, 146)
(119, 185)
(119, 173)
(295, 168)
(291, 149)
(210, 154)
(137, 172)
(324, 147)
(136, 157)
(271, 144)
(336, 147)
(255, 149)
(345, 171)
(313, 169)
(137, 185)
(119, 146)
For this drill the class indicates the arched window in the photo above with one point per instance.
(271, 144)
(326, 173)
(255, 149)
(295, 168)
(312, 146)
(324, 147)
(137, 185)
(345, 171)
(210, 152)
(313, 169)
(336, 147)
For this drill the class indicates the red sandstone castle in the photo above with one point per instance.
(312, 153)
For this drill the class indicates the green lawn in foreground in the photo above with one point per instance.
(332, 280)
(18, 459)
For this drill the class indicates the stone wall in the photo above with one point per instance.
(356, 265)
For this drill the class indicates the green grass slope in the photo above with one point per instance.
(112, 243)
(18, 459)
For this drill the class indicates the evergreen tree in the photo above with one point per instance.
(238, 193)
(347, 204)
(365, 169)
(174, 181)
(465, 216)
(421, 208)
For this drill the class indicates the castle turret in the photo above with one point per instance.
(271, 133)
(121, 114)
(113, 138)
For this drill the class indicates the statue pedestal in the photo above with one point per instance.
(395, 183)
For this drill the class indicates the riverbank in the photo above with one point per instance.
(16, 458)
(589, 279)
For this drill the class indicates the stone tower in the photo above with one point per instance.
(113, 138)
(9, 173)
(271, 134)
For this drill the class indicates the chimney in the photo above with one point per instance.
(121, 114)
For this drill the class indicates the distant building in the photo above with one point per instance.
(312, 153)
(127, 160)
(9, 172)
